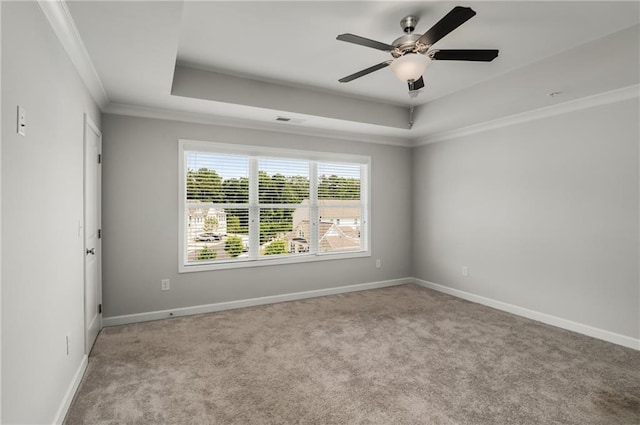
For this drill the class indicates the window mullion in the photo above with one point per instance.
(364, 206)
(313, 207)
(254, 210)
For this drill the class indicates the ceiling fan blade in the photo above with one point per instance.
(364, 72)
(465, 55)
(452, 20)
(416, 85)
(356, 39)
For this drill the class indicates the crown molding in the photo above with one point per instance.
(613, 96)
(59, 17)
(202, 118)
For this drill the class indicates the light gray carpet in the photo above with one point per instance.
(400, 355)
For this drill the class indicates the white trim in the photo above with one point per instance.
(1, 216)
(90, 125)
(314, 211)
(279, 261)
(255, 152)
(536, 315)
(59, 17)
(244, 123)
(605, 98)
(254, 210)
(262, 151)
(71, 391)
(231, 305)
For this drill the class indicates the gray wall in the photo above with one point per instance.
(42, 205)
(544, 214)
(140, 220)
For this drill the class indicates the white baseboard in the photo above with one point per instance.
(71, 391)
(535, 315)
(230, 305)
(510, 308)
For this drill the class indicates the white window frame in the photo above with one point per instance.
(254, 153)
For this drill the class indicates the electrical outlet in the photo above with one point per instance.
(165, 284)
(378, 264)
(465, 271)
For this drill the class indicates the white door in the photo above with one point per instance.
(92, 233)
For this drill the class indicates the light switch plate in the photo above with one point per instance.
(22, 121)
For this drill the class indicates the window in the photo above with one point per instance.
(243, 206)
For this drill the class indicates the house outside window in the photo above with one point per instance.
(244, 206)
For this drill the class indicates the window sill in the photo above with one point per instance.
(238, 264)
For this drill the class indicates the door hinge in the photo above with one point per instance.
(99, 158)
(99, 233)
(99, 308)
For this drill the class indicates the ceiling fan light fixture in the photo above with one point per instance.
(410, 67)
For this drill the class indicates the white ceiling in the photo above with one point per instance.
(288, 50)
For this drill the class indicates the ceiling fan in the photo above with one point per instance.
(412, 53)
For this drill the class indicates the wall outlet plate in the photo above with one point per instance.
(165, 284)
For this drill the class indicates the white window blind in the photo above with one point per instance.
(339, 206)
(216, 207)
(283, 187)
(244, 206)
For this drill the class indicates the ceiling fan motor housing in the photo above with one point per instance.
(407, 44)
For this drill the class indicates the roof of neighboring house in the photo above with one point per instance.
(332, 236)
(205, 212)
(350, 232)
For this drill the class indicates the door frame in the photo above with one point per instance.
(89, 125)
